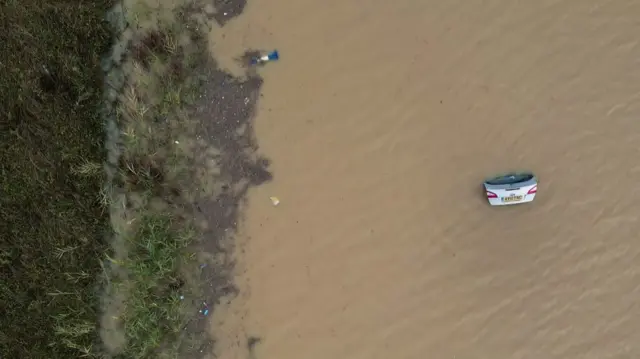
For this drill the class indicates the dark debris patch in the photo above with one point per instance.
(227, 107)
(225, 111)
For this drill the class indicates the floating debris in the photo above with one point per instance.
(275, 200)
(261, 59)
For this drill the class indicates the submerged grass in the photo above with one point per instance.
(51, 152)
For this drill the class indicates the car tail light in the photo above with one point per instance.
(491, 195)
(533, 190)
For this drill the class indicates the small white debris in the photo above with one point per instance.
(275, 200)
(176, 142)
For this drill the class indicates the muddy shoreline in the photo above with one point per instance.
(225, 112)
(221, 155)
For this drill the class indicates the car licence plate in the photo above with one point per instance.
(511, 199)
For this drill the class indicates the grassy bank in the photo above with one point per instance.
(54, 211)
(99, 271)
(52, 221)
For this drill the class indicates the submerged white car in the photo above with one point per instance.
(511, 188)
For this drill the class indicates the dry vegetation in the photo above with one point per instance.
(90, 270)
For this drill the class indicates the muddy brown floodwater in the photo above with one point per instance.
(381, 120)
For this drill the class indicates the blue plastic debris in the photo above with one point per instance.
(272, 56)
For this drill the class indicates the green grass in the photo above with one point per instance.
(154, 316)
(52, 223)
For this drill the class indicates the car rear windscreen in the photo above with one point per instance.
(510, 179)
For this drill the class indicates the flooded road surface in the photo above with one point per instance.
(382, 118)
